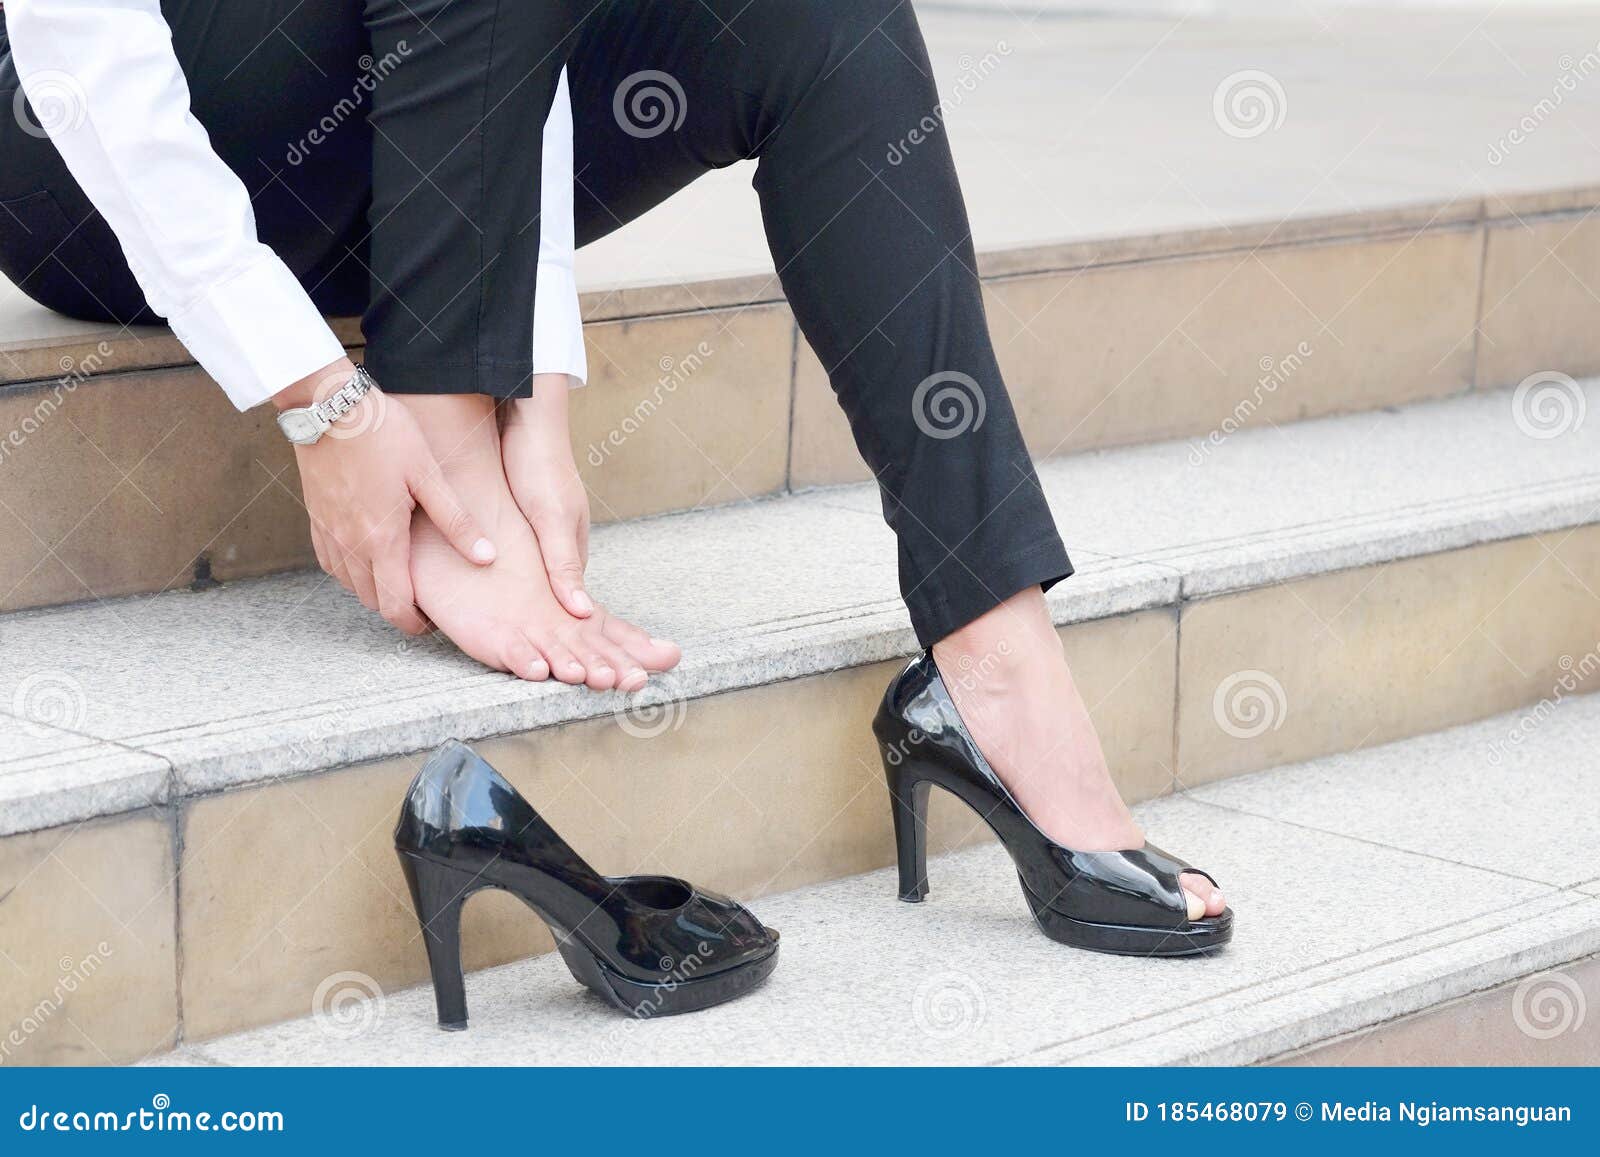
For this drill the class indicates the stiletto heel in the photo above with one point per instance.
(908, 801)
(650, 945)
(439, 894)
(1129, 902)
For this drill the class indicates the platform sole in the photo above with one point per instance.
(1195, 938)
(645, 1001)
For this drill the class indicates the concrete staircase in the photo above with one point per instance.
(1324, 468)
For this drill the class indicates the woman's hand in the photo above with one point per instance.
(537, 449)
(361, 482)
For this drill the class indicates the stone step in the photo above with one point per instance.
(1153, 272)
(205, 782)
(1413, 878)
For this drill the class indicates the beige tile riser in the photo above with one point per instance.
(88, 964)
(1151, 350)
(107, 493)
(138, 483)
(1543, 1019)
(684, 411)
(752, 793)
(693, 409)
(1363, 656)
(1541, 289)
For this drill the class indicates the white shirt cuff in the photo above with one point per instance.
(257, 333)
(557, 325)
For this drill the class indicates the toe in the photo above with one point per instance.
(651, 654)
(630, 675)
(522, 658)
(1202, 892)
(602, 676)
(563, 663)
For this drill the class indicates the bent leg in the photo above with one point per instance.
(871, 244)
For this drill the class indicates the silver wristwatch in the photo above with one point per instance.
(306, 426)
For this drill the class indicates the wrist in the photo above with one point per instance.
(545, 408)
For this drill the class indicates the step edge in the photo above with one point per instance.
(217, 756)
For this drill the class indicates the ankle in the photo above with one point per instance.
(462, 432)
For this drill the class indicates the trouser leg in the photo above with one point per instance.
(875, 256)
(457, 134)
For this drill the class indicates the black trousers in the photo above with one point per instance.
(392, 150)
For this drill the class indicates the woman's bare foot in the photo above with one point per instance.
(505, 615)
(1010, 681)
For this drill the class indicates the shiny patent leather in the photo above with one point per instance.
(1124, 902)
(651, 945)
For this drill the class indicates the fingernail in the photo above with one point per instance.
(659, 643)
(483, 550)
(583, 602)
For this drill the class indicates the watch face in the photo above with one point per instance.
(300, 426)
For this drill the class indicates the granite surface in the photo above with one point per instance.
(231, 686)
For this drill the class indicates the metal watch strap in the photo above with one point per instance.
(339, 403)
(306, 425)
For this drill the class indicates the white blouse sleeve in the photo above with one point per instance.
(557, 325)
(183, 218)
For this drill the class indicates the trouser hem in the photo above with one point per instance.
(964, 589)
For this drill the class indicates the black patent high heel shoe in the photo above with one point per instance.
(1129, 903)
(650, 945)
